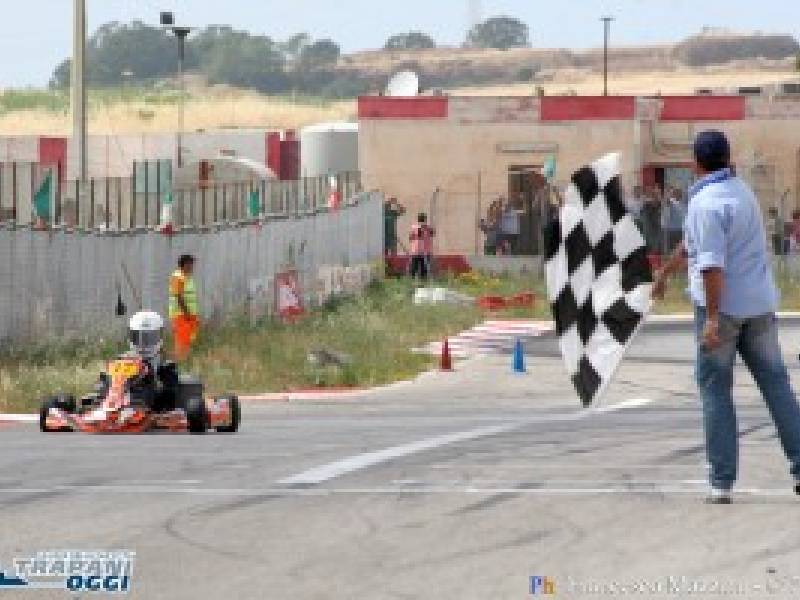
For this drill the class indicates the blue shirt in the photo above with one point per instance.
(725, 229)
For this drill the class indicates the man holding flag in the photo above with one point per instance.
(735, 298)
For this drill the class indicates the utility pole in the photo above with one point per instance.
(181, 33)
(79, 137)
(606, 32)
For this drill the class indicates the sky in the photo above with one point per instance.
(36, 34)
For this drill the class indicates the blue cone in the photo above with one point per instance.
(519, 357)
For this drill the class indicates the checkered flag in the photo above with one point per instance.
(598, 277)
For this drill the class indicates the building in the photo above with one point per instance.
(451, 156)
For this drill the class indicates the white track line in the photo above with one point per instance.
(359, 462)
(674, 489)
(19, 418)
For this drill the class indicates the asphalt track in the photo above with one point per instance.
(456, 486)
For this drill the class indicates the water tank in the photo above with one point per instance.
(328, 148)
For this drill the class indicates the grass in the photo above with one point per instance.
(376, 331)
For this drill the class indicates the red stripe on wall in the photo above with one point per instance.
(53, 151)
(290, 159)
(384, 107)
(703, 108)
(588, 108)
(274, 153)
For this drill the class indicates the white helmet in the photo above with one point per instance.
(145, 332)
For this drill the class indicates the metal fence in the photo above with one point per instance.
(68, 282)
(121, 203)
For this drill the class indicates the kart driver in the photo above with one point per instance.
(157, 388)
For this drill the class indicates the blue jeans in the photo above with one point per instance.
(756, 340)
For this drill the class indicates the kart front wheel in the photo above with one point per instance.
(61, 402)
(236, 415)
(197, 415)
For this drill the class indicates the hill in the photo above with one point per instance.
(456, 67)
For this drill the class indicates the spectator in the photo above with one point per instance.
(673, 216)
(795, 230)
(635, 202)
(510, 228)
(421, 238)
(775, 230)
(490, 227)
(651, 221)
(392, 210)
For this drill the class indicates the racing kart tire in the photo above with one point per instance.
(64, 402)
(197, 415)
(236, 415)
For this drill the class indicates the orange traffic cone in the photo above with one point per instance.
(446, 361)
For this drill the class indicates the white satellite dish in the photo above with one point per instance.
(404, 83)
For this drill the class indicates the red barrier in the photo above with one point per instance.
(454, 264)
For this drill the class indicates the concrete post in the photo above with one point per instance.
(79, 88)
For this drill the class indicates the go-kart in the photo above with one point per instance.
(134, 397)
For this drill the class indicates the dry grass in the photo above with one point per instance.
(221, 109)
(679, 81)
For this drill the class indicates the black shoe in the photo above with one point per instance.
(720, 496)
(797, 488)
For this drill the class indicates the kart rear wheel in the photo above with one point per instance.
(62, 402)
(197, 415)
(236, 415)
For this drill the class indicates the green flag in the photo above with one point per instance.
(41, 201)
(254, 206)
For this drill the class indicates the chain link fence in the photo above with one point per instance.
(123, 203)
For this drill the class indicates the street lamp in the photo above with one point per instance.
(606, 31)
(181, 33)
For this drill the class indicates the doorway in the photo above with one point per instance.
(527, 198)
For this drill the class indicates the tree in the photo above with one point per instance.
(320, 55)
(147, 52)
(62, 75)
(239, 59)
(413, 40)
(141, 53)
(499, 32)
(293, 47)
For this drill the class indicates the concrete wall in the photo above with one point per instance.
(410, 159)
(464, 146)
(114, 155)
(66, 284)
